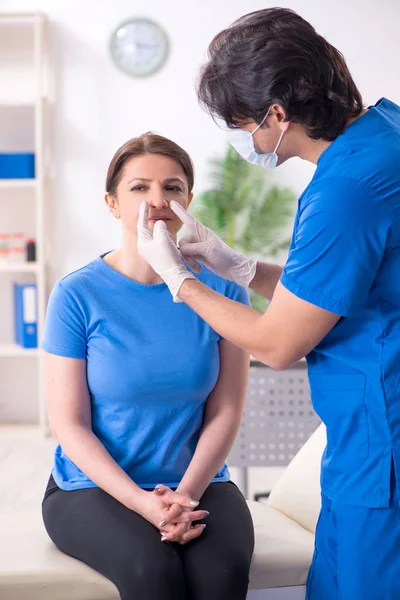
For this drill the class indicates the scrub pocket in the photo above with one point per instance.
(339, 400)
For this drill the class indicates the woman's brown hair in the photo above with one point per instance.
(148, 143)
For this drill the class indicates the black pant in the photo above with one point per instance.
(92, 526)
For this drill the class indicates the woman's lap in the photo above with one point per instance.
(95, 528)
(92, 526)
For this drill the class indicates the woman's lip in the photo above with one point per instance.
(159, 219)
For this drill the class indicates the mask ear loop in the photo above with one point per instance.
(279, 142)
(260, 124)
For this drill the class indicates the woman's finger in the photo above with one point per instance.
(174, 533)
(171, 514)
(187, 518)
(191, 516)
(192, 533)
(160, 489)
(171, 497)
(184, 516)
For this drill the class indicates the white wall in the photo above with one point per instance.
(98, 108)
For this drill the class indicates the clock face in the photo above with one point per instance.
(139, 47)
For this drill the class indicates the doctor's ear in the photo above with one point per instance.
(280, 115)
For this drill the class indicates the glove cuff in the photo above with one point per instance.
(244, 270)
(179, 278)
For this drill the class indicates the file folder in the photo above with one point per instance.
(25, 315)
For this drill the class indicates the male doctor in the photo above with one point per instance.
(284, 91)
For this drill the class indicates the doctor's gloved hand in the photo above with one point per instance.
(159, 250)
(203, 245)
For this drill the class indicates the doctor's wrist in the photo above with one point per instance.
(243, 270)
(176, 282)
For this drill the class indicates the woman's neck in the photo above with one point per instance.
(127, 260)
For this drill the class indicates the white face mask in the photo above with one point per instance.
(242, 142)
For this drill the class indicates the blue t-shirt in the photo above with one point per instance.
(345, 258)
(151, 364)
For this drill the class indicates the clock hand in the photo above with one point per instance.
(139, 45)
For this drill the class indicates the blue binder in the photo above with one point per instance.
(25, 315)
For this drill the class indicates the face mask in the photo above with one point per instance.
(242, 142)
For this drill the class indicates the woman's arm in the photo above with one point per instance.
(221, 421)
(69, 411)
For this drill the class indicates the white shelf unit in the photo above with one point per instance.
(22, 267)
(9, 184)
(24, 118)
(13, 350)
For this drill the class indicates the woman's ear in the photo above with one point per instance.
(190, 200)
(112, 204)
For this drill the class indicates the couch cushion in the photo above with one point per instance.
(297, 493)
(283, 549)
(31, 567)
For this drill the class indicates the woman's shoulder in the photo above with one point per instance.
(79, 280)
(226, 287)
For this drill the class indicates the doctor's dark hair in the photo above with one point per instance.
(275, 56)
(147, 143)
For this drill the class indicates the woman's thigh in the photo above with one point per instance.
(93, 527)
(217, 564)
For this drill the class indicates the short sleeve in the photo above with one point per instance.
(338, 245)
(65, 329)
(237, 293)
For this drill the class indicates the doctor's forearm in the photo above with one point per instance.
(266, 279)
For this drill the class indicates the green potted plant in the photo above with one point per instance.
(246, 212)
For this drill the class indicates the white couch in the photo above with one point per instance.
(285, 527)
(31, 567)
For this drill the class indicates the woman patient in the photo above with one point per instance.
(145, 401)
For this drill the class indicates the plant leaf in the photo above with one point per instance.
(242, 208)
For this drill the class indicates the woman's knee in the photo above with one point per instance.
(147, 577)
(232, 573)
(227, 577)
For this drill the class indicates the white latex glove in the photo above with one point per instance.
(202, 244)
(159, 250)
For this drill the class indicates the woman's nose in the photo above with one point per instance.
(157, 199)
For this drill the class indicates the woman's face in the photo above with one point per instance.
(157, 180)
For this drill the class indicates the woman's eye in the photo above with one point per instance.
(173, 188)
(137, 188)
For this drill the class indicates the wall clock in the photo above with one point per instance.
(139, 47)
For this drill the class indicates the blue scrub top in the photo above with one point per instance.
(345, 258)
